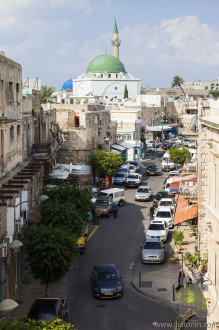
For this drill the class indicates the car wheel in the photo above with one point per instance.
(121, 203)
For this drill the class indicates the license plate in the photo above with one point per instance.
(108, 294)
(153, 259)
(131, 185)
(152, 173)
(141, 198)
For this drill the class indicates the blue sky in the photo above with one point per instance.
(55, 40)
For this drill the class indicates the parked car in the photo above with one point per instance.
(105, 205)
(82, 240)
(133, 180)
(157, 229)
(164, 202)
(106, 282)
(136, 163)
(158, 196)
(166, 145)
(165, 213)
(48, 309)
(152, 251)
(132, 168)
(119, 178)
(117, 194)
(144, 193)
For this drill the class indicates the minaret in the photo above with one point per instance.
(116, 42)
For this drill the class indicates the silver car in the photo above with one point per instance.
(152, 251)
(144, 193)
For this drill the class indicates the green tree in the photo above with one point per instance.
(215, 93)
(177, 82)
(179, 156)
(23, 323)
(46, 92)
(106, 163)
(126, 93)
(67, 207)
(50, 253)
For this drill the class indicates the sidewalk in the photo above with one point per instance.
(31, 289)
(159, 281)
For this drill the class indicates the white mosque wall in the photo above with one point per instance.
(106, 88)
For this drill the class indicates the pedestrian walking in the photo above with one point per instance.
(180, 280)
(97, 215)
(151, 212)
(115, 210)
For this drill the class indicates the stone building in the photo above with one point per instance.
(208, 199)
(86, 128)
(24, 129)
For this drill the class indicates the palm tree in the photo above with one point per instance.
(46, 92)
(177, 82)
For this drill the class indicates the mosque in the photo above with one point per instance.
(106, 77)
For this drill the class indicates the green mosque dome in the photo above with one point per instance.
(106, 64)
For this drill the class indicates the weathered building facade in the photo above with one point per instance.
(208, 199)
(24, 160)
(86, 128)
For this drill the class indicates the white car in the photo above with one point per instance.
(165, 213)
(132, 168)
(164, 202)
(157, 229)
(144, 193)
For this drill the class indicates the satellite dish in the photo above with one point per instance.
(193, 123)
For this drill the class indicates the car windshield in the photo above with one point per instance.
(124, 170)
(166, 159)
(132, 176)
(102, 202)
(102, 194)
(163, 214)
(161, 194)
(119, 175)
(153, 169)
(156, 227)
(106, 275)
(134, 163)
(152, 245)
(143, 190)
(166, 203)
(47, 315)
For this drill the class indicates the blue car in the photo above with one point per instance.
(119, 178)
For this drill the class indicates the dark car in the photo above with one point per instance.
(153, 171)
(150, 166)
(106, 282)
(166, 145)
(159, 196)
(105, 204)
(48, 309)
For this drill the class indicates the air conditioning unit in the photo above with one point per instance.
(20, 221)
(9, 239)
(3, 250)
(18, 227)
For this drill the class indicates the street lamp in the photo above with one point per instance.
(162, 114)
(108, 140)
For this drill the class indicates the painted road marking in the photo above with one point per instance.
(93, 231)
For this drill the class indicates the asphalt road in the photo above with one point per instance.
(117, 241)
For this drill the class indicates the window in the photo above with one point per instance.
(101, 75)
(11, 93)
(115, 88)
(12, 133)
(109, 75)
(117, 75)
(77, 121)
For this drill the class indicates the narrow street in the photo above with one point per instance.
(117, 241)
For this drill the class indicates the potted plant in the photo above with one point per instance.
(204, 263)
(173, 259)
(192, 228)
(178, 237)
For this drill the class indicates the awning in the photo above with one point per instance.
(184, 211)
(116, 151)
(127, 145)
(174, 187)
(117, 147)
(158, 128)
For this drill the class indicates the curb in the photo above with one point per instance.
(166, 301)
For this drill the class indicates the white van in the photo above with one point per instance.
(167, 163)
(117, 194)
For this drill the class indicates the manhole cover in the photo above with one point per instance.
(146, 284)
(161, 289)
